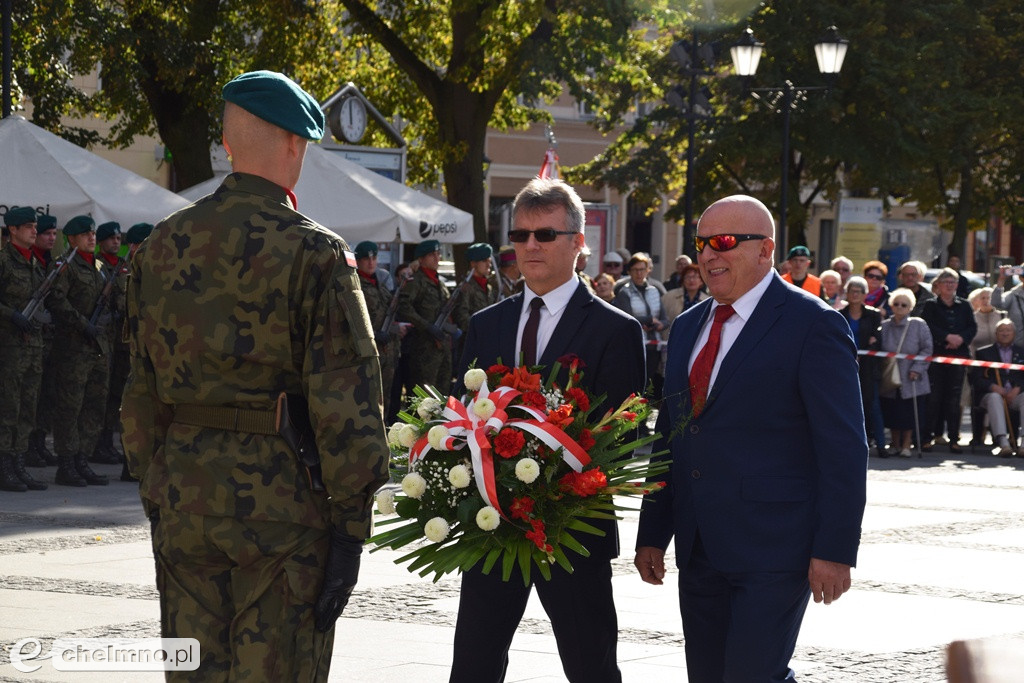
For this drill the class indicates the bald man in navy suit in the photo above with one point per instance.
(547, 221)
(766, 491)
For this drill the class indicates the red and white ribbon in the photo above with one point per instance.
(946, 360)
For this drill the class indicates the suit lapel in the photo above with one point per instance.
(677, 379)
(509, 329)
(766, 313)
(568, 325)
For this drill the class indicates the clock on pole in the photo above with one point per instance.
(351, 114)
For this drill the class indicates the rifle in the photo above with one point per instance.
(34, 308)
(104, 297)
(449, 306)
(392, 313)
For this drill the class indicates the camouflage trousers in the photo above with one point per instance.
(81, 391)
(245, 590)
(430, 362)
(119, 365)
(389, 358)
(47, 393)
(20, 377)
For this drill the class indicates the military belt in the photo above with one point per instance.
(229, 419)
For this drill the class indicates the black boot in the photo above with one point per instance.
(32, 457)
(67, 474)
(104, 453)
(18, 462)
(45, 453)
(85, 472)
(9, 480)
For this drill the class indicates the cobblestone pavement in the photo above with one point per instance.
(941, 559)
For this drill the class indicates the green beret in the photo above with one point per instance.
(428, 247)
(366, 248)
(481, 251)
(137, 233)
(19, 215)
(108, 229)
(279, 100)
(80, 224)
(798, 250)
(45, 223)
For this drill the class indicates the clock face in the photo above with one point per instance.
(353, 119)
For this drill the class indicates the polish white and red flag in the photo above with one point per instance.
(549, 169)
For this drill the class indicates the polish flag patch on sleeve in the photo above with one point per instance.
(350, 259)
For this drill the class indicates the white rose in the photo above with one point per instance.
(484, 408)
(413, 485)
(459, 476)
(487, 518)
(436, 437)
(386, 502)
(394, 433)
(527, 470)
(428, 408)
(408, 436)
(474, 379)
(436, 529)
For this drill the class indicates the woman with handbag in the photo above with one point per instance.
(864, 321)
(902, 333)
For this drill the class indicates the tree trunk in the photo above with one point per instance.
(962, 216)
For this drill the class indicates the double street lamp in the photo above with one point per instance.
(830, 52)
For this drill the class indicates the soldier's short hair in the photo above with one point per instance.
(547, 194)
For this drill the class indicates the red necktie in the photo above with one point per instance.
(529, 345)
(700, 374)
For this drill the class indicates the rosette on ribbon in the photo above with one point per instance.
(465, 428)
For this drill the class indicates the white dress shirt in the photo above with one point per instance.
(731, 328)
(555, 302)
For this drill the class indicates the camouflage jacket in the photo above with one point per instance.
(420, 302)
(378, 298)
(72, 301)
(231, 301)
(117, 310)
(472, 299)
(19, 279)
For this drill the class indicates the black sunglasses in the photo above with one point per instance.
(542, 235)
(723, 242)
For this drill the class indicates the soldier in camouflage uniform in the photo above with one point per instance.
(478, 292)
(133, 238)
(108, 238)
(510, 280)
(379, 298)
(420, 302)
(232, 301)
(38, 454)
(21, 349)
(81, 347)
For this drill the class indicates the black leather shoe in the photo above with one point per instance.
(954, 447)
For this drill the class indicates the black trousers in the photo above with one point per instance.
(582, 614)
(944, 401)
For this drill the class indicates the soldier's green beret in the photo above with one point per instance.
(480, 251)
(80, 224)
(108, 229)
(366, 248)
(19, 215)
(45, 223)
(279, 100)
(428, 247)
(137, 233)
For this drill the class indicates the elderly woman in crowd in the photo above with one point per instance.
(911, 336)
(832, 288)
(878, 292)
(987, 317)
(864, 322)
(953, 328)
(642, 300)
(690, 293)
(604, 287)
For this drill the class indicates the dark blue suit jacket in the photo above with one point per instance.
(773, 471)
(608, 341)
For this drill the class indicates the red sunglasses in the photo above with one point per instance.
(723, 242)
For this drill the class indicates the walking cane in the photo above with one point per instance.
(1006, 414)
(917, 424)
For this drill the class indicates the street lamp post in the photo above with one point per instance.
(830, 51)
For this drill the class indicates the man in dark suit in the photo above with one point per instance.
(1001, 391)
(553, 316)
(769, 461)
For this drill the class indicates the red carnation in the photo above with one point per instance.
(579, 397)
(499, 370)
(534, 399)
(561, 416)
(584, 484)
(586, 440)
(571, 360)
(522, 379)
(521, 508)
(509, 442)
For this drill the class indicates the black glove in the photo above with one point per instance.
(381, 339)
(340, 576)
(91, 331)
(452, 329)
(21, 322)
(438, 333)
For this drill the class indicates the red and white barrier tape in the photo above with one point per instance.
(947, 360)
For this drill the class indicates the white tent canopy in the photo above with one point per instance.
(42, 170)
(359, 204)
